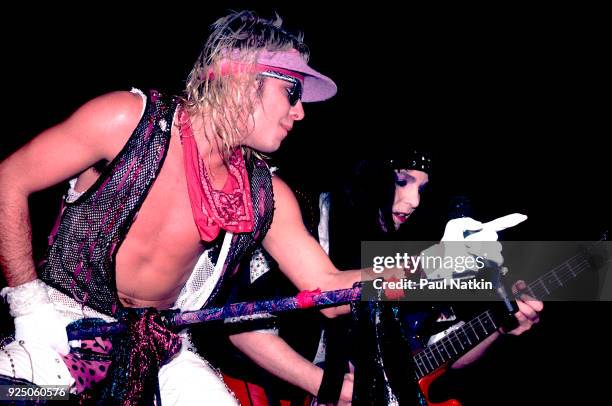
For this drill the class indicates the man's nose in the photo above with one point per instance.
(297, 111)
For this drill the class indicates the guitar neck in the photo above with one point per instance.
(462, 339)
(455, 344)
(556, 278)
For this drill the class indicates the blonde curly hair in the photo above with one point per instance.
(226, 100)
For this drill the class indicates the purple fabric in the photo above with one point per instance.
(127, 364)
(151, 345)
(283, 304)
(317, 87)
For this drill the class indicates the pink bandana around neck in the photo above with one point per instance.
(230, 208)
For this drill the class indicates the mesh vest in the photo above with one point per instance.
(80, 261)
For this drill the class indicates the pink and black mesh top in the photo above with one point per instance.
(80, 260)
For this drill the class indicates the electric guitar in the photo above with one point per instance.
(435, 359)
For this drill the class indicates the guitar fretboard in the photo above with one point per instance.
(465, 337)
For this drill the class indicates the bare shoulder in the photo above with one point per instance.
(96, 131)
(107, 121)
(119, 105)
(280, 186)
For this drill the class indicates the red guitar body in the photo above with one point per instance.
(425, 383)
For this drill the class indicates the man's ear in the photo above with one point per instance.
(259, 86)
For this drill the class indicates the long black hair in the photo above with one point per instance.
(361, 204)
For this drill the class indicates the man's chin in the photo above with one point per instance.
(273, 147)
(268, 149)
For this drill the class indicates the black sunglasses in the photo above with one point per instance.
(294, 92)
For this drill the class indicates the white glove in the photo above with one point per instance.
(486, 232)
(480, 244)
(36, 319)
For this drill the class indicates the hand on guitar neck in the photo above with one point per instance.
(529, 309)
(526, 316)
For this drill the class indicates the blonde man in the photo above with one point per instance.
(185, 166)
(181, 198)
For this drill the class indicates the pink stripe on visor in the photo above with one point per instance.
(228, 68)
(315, 86)
(297, 80)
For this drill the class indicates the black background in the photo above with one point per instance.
(513, 102)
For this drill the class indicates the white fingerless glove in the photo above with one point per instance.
(36, 319)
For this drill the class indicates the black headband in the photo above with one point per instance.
(413, 159)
